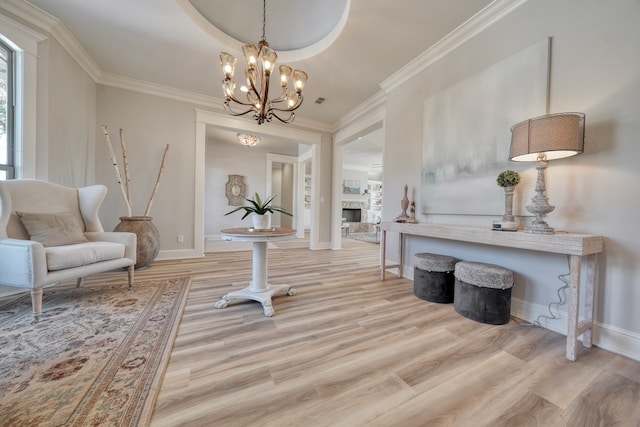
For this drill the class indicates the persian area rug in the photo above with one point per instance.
(97, 356)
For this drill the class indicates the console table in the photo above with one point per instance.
(259, 289)
(576, 246)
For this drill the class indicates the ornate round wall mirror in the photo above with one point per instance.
(236, 190)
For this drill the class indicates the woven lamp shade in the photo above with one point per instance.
(554, 135)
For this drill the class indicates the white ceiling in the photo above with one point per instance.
(269, 143)
(165, 43)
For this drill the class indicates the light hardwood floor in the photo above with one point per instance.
(350, 350)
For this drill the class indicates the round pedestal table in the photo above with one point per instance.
(259, 289)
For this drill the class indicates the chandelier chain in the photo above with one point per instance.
(264, 19)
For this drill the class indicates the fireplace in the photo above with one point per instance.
(352, 214)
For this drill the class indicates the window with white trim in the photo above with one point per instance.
(7, 103)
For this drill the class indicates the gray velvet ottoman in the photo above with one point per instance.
(483, 292)
(433, 278)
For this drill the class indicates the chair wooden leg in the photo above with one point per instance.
(80, 282)
(36, 303)
(130, 270)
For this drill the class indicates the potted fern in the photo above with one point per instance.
(508, 180)
(261, 210)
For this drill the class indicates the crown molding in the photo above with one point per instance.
(482, 20)
(309, 124)
(114, 80)
(22, 37)
(372, 107)
(52, 25)
(76, 50)
(29, 13)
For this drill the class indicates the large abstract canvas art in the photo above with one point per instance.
(466, 135)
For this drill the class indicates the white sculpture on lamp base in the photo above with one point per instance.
(540, 205)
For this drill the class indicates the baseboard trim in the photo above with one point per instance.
(321, 246)
(178, 254)
(606, 337)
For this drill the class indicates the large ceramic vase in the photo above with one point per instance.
(148, 237)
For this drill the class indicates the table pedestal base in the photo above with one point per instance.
(263, 297)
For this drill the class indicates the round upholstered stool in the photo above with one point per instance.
(483, 292)
(433, 278)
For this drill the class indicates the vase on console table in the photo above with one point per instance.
(412, 216)
(508, 205)
(404, 203)
(508, 180)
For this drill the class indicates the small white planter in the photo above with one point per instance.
(261, 222)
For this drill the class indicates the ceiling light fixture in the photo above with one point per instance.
(248, 139)
(261, 60)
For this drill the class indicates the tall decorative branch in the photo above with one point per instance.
(155, 188)
(127, 201)
(125, 163)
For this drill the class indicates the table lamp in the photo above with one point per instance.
(549, 137)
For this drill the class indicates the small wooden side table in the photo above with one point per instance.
(259, 289)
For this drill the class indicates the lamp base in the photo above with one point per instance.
(540, 203)
(539, 208)
(539, 228)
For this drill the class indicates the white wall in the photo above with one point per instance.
(282, 191)
(58, 116)
(149, 123)
(595, 63)
(69, 118)
(276, 188)
(224, 159)
(324, 197)
(285, 196)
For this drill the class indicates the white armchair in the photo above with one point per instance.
(50, 233)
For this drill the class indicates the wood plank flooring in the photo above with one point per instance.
(350, 350)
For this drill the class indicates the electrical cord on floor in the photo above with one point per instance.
(561, 300)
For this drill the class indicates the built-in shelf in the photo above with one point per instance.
(307, 199)
(307, 192)
(374, 213)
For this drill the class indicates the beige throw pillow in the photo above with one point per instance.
(52, 229)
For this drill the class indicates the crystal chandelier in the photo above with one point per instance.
(248, 139)
(261, 62)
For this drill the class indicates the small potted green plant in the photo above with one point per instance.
(508, 180)
(262, 210)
